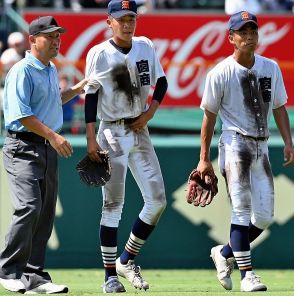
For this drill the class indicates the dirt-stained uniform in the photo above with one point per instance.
(244, 89)
(121, 72)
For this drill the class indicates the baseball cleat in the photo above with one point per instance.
(113, 285)
(223, 266)
(48, 288)
(13, 285)
(132, 273)
(251, 283)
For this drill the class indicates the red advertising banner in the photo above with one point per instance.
(188, 45)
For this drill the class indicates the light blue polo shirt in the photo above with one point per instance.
(32, 88)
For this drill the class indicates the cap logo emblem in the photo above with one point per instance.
(125, 5)
(244, 15)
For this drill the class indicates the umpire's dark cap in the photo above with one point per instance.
(44, 24)
(239, 19)
(119, 8)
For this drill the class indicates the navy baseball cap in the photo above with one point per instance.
(239, 19)
(44, 24)
(119, 8)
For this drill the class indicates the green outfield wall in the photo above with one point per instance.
(184, 234)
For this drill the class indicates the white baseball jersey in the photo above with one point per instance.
(237, 111)
(123, 80)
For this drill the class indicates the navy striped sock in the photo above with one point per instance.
(108, 242)
(137, 238)
(254, 232)
(241, 247)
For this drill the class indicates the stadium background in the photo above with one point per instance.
(188, 43)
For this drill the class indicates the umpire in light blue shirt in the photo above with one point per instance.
(32, 105)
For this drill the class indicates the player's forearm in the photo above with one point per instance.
(152, 109)
(91, 131)
(207, 130)
(283, 124)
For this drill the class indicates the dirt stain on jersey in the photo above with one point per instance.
(246, 92)
(257, 108)
(122, 82)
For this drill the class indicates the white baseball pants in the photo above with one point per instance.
(245, 165)
(134, 150)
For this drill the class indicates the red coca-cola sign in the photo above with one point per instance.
(188, 45)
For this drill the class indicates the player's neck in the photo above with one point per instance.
(245, 59)
(122, 43)
(120, 49)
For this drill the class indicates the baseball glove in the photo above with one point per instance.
(201, 191)
(95, 173)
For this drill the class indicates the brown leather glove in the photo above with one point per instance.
(201, 191)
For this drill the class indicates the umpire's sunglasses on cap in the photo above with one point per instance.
(44, 24)
(119, 8)
(239, 19)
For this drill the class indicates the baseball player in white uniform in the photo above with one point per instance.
(121, 72)
(245, 89)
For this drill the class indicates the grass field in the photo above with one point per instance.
(84, 282)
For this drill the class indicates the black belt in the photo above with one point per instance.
(254, 138)
(123, 120)
(27, 136)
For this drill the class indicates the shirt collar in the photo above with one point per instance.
(34, 61)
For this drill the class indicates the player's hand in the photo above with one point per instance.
(288, 156)
(92, 148)
(61, 145)
(138, 125)
(205, 168)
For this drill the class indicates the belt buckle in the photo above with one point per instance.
(119, 121)
(262, 138)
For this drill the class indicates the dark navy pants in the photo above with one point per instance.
(33, 179)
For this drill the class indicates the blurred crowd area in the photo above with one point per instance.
(149, 5)
(14, 43)
(144, 5)
(14, 50)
